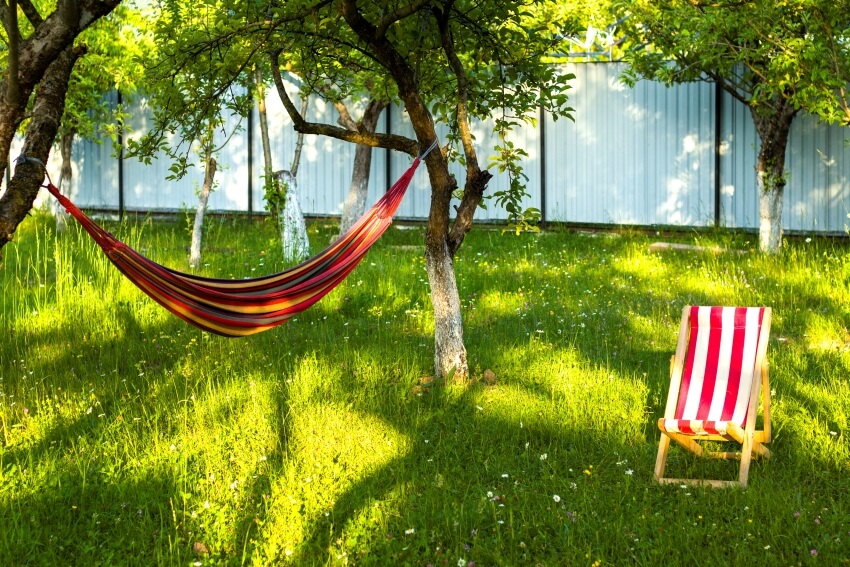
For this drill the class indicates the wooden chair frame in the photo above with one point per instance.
(751, 440)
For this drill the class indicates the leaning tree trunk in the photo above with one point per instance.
(66, 172)
(203, 198)
(47, 50)
(355, 203)
(48, 106)
(773, 129)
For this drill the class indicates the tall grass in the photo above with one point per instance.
(130, 438)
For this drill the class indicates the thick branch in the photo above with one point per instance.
(375, 140)
(13, 87)
(30, 12)
(400, 14)
(48, 106)
(476, 180)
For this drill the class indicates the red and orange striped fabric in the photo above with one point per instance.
(236, 308)
(718, 370)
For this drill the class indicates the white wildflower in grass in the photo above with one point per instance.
(409, 531)
(461, 562)
(556, 498)
(544, 456)
(629, 472)
(489, 494)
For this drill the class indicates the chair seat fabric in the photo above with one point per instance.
(719, 366)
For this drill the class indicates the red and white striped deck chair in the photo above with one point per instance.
(715, 377)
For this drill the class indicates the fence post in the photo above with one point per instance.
(542, 167)
(120, 101)
(251, 163)
(388, 165)
(718, 141)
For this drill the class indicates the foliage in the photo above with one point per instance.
(816, 63)
(129, 438)
(501, 47)
(113, 46)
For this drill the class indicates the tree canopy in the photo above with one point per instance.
(776, 57)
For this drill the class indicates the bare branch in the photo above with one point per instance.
(400, 14)
(30, 12)
(375, 140)
(345, 118)
(13, 86)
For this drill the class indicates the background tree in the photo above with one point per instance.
(767, 55)
(113, 46)
(39, 56)
(819, 62)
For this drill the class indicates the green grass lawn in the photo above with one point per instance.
(129, 438)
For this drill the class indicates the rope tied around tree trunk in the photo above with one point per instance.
(24, 158)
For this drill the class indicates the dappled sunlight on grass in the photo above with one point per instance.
(128, 437)
(330, 448)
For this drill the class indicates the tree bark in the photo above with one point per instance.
(293, 230)
(203, 198)
(773, 128)
(355, 203)
(48, 106)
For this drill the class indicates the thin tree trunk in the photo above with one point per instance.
(264, 124)
(355, 203)
(203, 198)
(48, 106)
(66, 145)
(773, 129)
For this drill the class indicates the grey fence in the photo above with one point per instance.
(649, 155)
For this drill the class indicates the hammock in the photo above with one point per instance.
(237, 308)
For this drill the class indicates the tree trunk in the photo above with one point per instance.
(773, 128)
(355, 203)
(48, 106)
(203, 198)
(66, 145)
(449, 351)
(274, 199)
(293, 230)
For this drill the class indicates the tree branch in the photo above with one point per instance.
(30, 12)
(476, 180)
(13, 85)
(345, 118)
(400, 14)
(375, 140)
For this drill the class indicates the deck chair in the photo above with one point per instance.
(715, 377)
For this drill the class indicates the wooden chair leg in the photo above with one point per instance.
(746, 458)
(661, 460)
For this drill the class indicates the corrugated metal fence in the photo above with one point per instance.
(650, 155)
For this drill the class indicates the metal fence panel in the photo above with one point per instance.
(643, 156)
(634, 156)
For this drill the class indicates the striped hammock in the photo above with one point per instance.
(237, 308)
